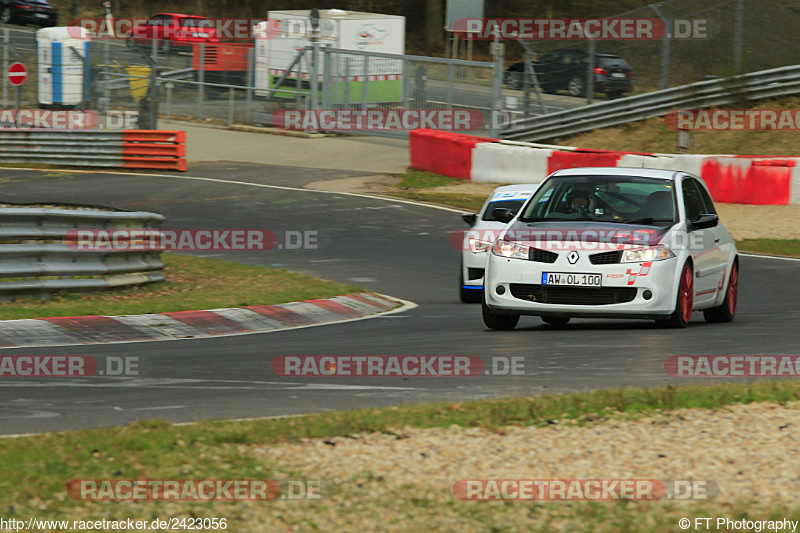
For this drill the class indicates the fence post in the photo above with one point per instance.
(327, 77)
(106, 78)
(168, 112)
(497, 88)
(664, 48)
(590, 74)
(6, 40)
(405, 73)
(249, 91)
(365, 86)
(230, 106)
(451, 81)
(201, 78)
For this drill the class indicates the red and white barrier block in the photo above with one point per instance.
(760, 180)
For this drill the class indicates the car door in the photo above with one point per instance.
(701, 243)
(546, 69)
(722, 241)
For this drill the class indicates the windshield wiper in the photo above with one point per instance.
(647, 221)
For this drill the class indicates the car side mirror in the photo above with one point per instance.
(704, 221)
(503, 215)
(470, 218)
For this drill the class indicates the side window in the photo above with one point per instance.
(692, 200)
(707, 201)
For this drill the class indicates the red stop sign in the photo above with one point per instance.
(17, 74)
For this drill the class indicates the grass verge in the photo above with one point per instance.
(784, 247)
(37, 468)
(192, 283)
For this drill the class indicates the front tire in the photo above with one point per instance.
(497, 321)
(684, 302)
(556, 321)
(726, 311)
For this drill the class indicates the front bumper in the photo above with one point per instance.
(623, 292)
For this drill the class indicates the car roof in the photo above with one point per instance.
(517, 187)
(180, 15)
(618, 171)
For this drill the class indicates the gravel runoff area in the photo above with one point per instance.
(743, 221)
(404, 481)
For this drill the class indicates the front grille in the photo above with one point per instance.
(572, 295)
(542, 256)
(474, 273)
(606, 258)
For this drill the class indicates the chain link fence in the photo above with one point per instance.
(231, 83)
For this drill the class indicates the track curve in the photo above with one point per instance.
(391, 247)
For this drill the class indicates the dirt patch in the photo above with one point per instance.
(360, 184)
(761, 221)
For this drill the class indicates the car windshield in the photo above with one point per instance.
(512, 205)
(620, 199)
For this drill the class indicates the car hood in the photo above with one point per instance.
(614, 235)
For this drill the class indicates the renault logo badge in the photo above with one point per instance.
(573, 257)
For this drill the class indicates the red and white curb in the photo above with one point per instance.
(98, 329)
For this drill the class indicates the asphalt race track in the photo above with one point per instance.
(394, 248)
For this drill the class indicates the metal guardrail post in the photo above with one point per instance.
(201, 77)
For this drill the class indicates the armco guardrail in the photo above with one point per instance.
(154, 149)
(36, 261)
(753, 86)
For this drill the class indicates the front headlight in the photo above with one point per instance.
(477, 246)
(510, 249)
(653, 253)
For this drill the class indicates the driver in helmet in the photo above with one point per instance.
(578, 202)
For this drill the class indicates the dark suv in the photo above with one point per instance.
(36, 12)
(566, 70)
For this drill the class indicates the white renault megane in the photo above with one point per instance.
(613, 243)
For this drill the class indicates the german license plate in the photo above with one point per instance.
(617, 75)
(41, 15)
(571, 279)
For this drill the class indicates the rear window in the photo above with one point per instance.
(612, 61)
(195, 22)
